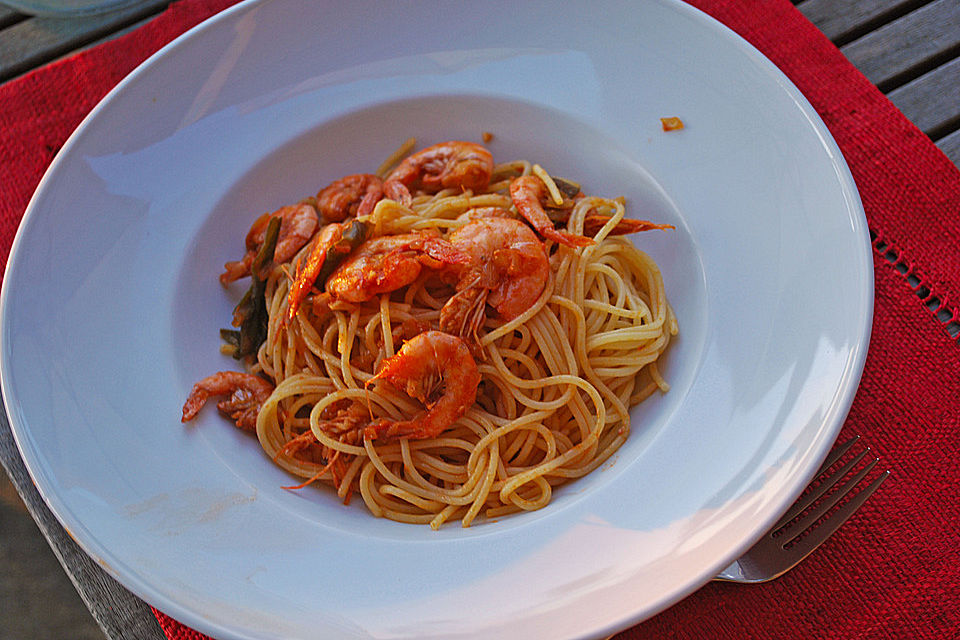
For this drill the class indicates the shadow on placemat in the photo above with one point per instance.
(37, 599)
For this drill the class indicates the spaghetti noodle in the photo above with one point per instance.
(557, 376)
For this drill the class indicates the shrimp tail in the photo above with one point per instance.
(396, 190)
(594, 222)
(195, 401)
(369, 202)
(565, 237)
(236, 269)
(350, 196)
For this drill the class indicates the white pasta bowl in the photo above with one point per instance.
(111, 310)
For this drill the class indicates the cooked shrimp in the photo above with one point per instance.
(247, 393)
(349, 197)
(386, 263)
(298, 223)
(509, 270)
(528, 194)
(453, 164)
(437, 369)
(334, 243)
(593, 222)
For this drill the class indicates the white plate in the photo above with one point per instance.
(111, 307)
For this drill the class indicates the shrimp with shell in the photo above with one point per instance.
(331, 246)
(528, 194)
(453, 164)
(387, 263)
(298, 223)
(437, 369)
(508, 271)
(351, 196)
(247, 394)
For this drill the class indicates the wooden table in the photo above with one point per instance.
(910, 49)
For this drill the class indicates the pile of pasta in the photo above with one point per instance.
(556, 382)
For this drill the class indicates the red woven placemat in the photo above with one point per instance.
(893, 571)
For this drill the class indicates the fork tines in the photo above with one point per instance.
(801, 530)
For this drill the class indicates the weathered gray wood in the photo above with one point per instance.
(120, 614)
(839, 19)
(37, 599)
(932, 101)
(33, 42)
(8, 17)
(950, 145)
(907, 45)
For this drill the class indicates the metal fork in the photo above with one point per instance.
(783, 547)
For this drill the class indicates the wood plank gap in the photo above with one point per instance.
(9, 17)
(950, 126)
(950, 145)
(110, 36)
(42, 40)
(909, 46)
(925, 66)
(844, 21)
(932, 101)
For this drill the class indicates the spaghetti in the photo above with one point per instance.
(565, 340)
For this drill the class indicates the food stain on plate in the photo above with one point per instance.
(186, 509)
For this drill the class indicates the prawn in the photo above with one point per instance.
(386, 263)
(528, 194)
(298, 222)
(510, 268)
(334, 243)
(455, 163)
(351, 196)
(247, 394)
(593, 222)
(437, 369)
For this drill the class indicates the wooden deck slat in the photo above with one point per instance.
(950, 145)
(119, 613)
(840, 19)
(35, 41)
(906, 46)
(9, 17)
(932, 101)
